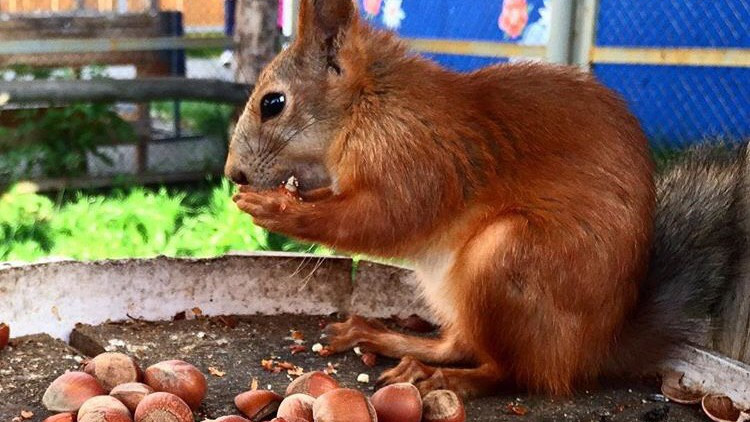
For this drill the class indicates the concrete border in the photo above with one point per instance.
(51, 297)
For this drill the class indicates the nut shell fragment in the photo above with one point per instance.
(672, 388)
(258, 404)
(720, 408)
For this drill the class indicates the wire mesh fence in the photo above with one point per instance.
(133, 40)
(688, 103)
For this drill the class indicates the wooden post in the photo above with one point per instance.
(560, 33)
(256, 36)
(584, 32)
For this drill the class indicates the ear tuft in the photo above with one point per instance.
(325, 18)
(333, 16)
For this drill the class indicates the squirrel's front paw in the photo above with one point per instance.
(265, 207)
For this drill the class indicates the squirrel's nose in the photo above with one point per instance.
(238, 176)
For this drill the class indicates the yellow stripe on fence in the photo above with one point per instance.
(476, 48)
(728, 57)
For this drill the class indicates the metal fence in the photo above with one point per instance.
(683, 65)
(151, 59)
(697, 86)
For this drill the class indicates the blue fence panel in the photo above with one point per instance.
(464, 63)
(680, 104)
(674, 23)
(684, 104)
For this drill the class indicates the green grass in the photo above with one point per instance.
(133, 222)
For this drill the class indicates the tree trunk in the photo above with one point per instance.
(257, 37)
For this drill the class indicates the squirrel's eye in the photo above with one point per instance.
(271, 105)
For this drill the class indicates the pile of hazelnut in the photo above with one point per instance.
(113, 388)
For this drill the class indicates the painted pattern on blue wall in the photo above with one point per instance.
(676, 104)
(522, 20)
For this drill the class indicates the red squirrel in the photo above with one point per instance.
(523, 194)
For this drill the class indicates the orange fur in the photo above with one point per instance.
(523, 194)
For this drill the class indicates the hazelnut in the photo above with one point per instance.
(289, 420)
(297, 406)
(131, 393)
(313, 384)
(163, 407)
(231, 418)
(68, 392)
(112, 369)
(179, 378)
(105, 415)
(61, 417)
(101, 405)
(4, 335)
(442, 406)
(343, 405)
(720, 408)
(398, 403)
(257, 404)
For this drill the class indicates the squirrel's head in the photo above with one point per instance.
(301, 102)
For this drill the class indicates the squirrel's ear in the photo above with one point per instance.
(324, 21)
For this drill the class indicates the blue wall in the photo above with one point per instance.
(676, 104)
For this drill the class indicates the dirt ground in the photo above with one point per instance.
(230, 350)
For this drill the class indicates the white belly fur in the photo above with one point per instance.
(433, 274)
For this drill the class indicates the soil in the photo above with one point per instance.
(230, 350)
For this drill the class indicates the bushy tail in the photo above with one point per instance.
(699, 236)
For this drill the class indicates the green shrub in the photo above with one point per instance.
(129, 223)
(25, 231)
(57, 140)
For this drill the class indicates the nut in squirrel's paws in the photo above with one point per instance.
(292, 184)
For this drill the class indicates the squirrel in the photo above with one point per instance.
(524, 195)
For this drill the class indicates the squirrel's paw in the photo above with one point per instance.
(426, 378)
(411, 370)
(265, 206)
(356, 331)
